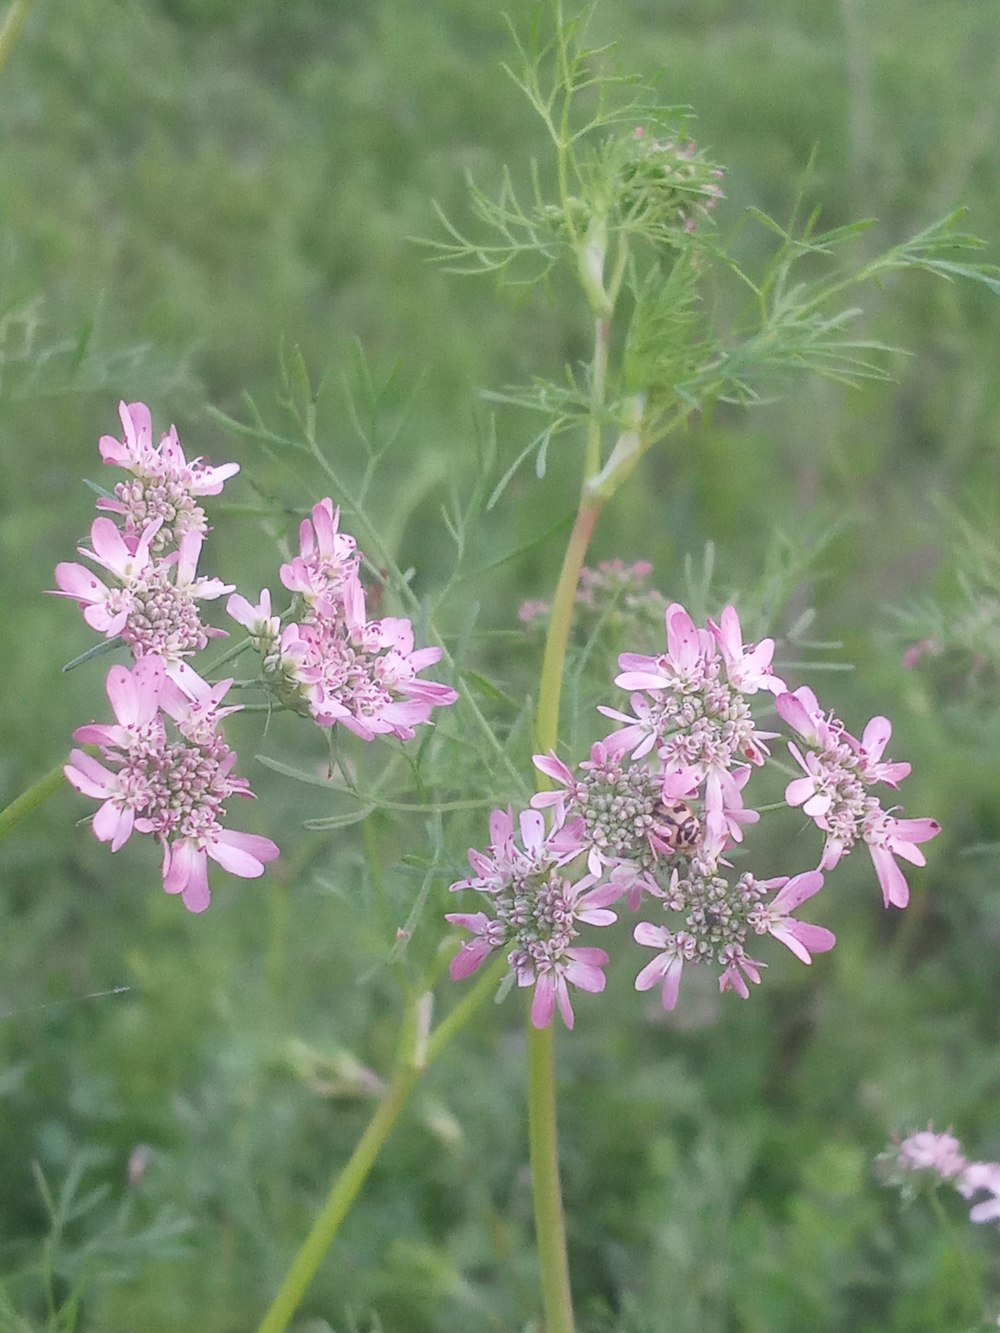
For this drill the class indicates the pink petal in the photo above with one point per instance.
(895, 890)
(88, 776)
(195, 895)
(876, 737)
(544, 1003)
(242, 854)
(798, 889)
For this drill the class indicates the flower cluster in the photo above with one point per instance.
(333, 664)
(653, 813)
(939, 1157)
(666, 183)
(150, 601)
(614, 594)
(167, 769)
(834, 792)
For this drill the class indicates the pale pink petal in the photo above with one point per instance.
(544, 1002)
(895, 890)
(243, 854)
(88, 776)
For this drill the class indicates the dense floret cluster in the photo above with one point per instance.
(650, 817)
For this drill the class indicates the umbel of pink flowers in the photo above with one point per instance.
(165, 768)
(938, 1157)
(650, 818)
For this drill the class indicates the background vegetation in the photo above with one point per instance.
(186, 187)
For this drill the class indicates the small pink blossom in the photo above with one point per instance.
(738, 970)
(580, 967)
(888, 837)
(327, 562)
(666, 968)
(534, 912)
(153, 606)
(165, 462)
(163, 486)
(929, 1151)
(747, 667)
(775, 917)
(981, 1177)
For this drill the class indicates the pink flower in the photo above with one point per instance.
(163, 463)
(264, 626)
(105, 609)
(173, 787)
(739, 968)
(873, 742)
(775, 919)
(163, 484)
(748, 668)
(834, 793)
(535, 912)
(154, 607)
(682, 666)
(983, 1176)
(665, 969)
(929, 1151)
(328, 560)
(888, 837)
(581, 967)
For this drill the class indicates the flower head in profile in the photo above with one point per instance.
(834, 793)
(332, 663)
(163, 485)
(167, 771)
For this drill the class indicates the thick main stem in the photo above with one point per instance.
(560, 623)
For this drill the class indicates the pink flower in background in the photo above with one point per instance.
(941, 1156)
(929, 1151)
(173, 786)
(981, 1177)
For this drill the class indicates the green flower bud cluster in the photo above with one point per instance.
(663, 187)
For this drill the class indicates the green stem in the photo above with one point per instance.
(348, 1182)
(550, 1226)
(30, 800)
(12, 25)
(554, 659)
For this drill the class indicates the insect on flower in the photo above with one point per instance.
(678, 827)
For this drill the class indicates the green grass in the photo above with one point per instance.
(188, 191)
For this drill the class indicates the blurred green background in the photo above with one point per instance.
(186, 187)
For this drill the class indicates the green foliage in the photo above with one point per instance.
(215, 200)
